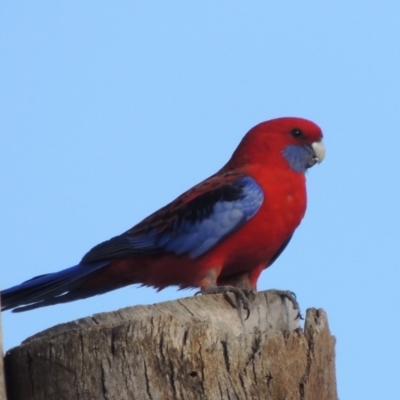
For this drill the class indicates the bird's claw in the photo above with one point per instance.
(291, 296)
(243, 297)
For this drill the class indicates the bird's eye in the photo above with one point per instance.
(296, 132)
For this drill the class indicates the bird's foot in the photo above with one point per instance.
(291, 296)
(243, 297)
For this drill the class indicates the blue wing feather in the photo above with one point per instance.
(190, 227)
(196, 236)
(192, 224)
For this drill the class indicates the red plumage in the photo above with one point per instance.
(224, 231)
(240, 258)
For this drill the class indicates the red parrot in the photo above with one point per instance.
(218, 236)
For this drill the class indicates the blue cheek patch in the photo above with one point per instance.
(298, 157)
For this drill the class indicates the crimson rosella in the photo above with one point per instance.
(217, 236)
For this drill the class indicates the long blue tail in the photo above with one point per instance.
(49, 289)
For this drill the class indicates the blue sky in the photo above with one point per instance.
(109, 110)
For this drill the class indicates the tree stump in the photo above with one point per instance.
(192, 348)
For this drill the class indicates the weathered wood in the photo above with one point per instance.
(193, 348)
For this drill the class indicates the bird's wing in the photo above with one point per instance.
(192, 224)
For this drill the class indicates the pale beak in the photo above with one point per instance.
(318, 153)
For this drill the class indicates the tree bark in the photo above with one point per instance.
(193, 348)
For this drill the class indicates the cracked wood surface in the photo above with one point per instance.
(192, 348)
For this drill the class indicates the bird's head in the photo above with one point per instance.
(296, 142)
